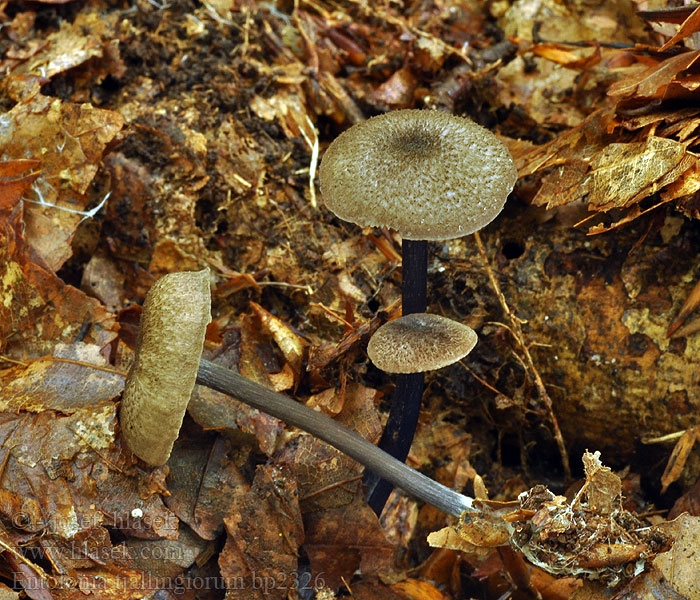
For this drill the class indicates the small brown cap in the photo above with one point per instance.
(168, 350)
(420, 342)
(429, 175)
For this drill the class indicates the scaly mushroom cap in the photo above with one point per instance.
(420, 342)
(168, 350)
(429, 175)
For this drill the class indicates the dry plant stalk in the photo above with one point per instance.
(516, 330)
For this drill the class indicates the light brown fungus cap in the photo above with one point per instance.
(168, 350)
(420, 342)
(428, 175)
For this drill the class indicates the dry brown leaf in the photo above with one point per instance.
(476, 537)
(70, 139)
(166, 558)
(651, 585)
(689, 502)
(257, 354)
(69, 381)
(259, 560)
(16, 177)
(37, 309)
(327, 478)
(397, 91)
(603, 489)
(687, 28)
(205, 485)
(103, 280)
(654, 81)
(615, 174)
(678, 458)
(371, 589)
(290, 343)
(135, 229)
(450, 539)
(341, 540)
(619, 172)
(88, 36)
(553, 588)
(7, 593)
(214, 410)
(415, 589)
(681, 564)
(66, 479)
(329, 401)
(693, 299)
(563, 55)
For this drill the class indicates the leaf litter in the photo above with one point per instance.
(155, 138)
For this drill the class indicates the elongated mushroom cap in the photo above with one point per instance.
(427, 174)
(168, 351)
(420, 342)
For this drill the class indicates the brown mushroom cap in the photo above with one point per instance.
(168, 351)
(429, 175)
(420, 342)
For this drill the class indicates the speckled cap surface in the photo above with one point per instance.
(420, 342)
(429, 175)
(170, 343)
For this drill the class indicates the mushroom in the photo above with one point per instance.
(188, 292)
(428, 175)
(169, 349)
(420, 342)
(162, 377)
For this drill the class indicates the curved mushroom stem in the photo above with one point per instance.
(347, 441)
(405, 407)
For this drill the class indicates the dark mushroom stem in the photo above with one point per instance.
(414, 277)
(347, 441)
(405, 407)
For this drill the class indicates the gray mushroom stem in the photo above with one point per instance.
(415, 484)
(168, 361)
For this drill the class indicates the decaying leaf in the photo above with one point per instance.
(592, 536)
(415, 589)
(290, 343)
(327, 478)
(476, 537)
(680, 564)
(37, 309)
(16, 178)
(341, 540)
(678, 458)
(70, 140)
(204, 483)
(75, 377)
(259, 559)
(221, 112)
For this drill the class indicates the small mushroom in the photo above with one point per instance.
(162, 377)
(420, 342)
(429, 175)
(168, 358)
